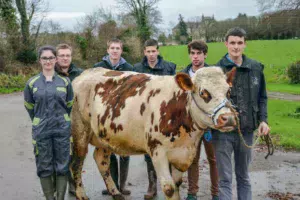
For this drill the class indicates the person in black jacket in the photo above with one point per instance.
(249, 95)
(64, 65)
(114, 61)
(153, 63)
(66, 68)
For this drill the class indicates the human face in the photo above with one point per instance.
(64, 58)
(114, 51)
(47, 60)
(151, 52)
(197, 57)
(235, 46)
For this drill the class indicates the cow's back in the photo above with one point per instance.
(128, 110)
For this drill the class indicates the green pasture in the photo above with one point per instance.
(276, 55)
(285, 123)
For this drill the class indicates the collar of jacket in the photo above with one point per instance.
(71, 68)
(44, 77)
(107, 61)
(158, 64)
(229, 64)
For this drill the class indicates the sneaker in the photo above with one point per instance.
(191, 197)
(215, 197)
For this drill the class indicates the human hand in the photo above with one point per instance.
(263, 129)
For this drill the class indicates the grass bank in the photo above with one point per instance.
(285, 123)
(276, 55)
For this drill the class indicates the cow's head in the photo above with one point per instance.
(209, 92)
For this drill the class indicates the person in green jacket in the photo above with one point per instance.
(48, 99)
(114, 61)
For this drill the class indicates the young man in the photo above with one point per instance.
(248, 93)
(64, 65)
(198, 53)
(153, 63)
(114, 61)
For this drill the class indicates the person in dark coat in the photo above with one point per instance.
(64, 65)
(153, 63)
(249, 95)
(66, 68)
(114, 61)
(48, 99)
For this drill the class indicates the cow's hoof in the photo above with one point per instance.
(118, 197)
(168, 190)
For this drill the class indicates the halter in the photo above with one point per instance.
(212, 115)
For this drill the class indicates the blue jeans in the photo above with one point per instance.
(225, 144)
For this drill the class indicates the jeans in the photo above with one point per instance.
(225, 144)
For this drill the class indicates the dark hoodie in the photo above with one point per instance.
(122, 65)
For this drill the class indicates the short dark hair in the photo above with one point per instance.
(236, 31)
(114, 40)
(198, 45)
(46, 48)
(151, 42)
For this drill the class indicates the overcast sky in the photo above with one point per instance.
(68, 11)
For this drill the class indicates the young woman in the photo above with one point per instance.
(48, 99)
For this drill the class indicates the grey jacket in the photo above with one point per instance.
(49, 103)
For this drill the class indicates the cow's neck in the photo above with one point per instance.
(193, 108)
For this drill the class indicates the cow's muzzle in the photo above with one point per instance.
(226, 122)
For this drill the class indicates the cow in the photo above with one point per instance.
(129, 113)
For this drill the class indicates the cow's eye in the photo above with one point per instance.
(205, 95)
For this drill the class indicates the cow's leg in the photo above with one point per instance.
(177, 176)
(76, 166)
(102, 158)
(80, 149)
(161, 164)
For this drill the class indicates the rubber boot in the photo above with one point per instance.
(71, 182)
(152, 188)
(47, 186)
(124, 167)
(61, 187)
(114, 172)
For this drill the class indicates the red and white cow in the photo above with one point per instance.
(130, 113)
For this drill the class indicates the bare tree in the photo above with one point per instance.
(272, 5)
(146, 15)
(29, 11)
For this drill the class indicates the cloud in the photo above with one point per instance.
(64, 15)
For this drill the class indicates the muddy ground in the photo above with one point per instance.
(18, 179)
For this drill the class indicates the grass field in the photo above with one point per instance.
(283, 125)
(276, 55)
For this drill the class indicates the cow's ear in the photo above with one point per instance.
(184, 81)
(230, 76)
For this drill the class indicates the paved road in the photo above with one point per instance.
(18, 178)
(284, 96)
